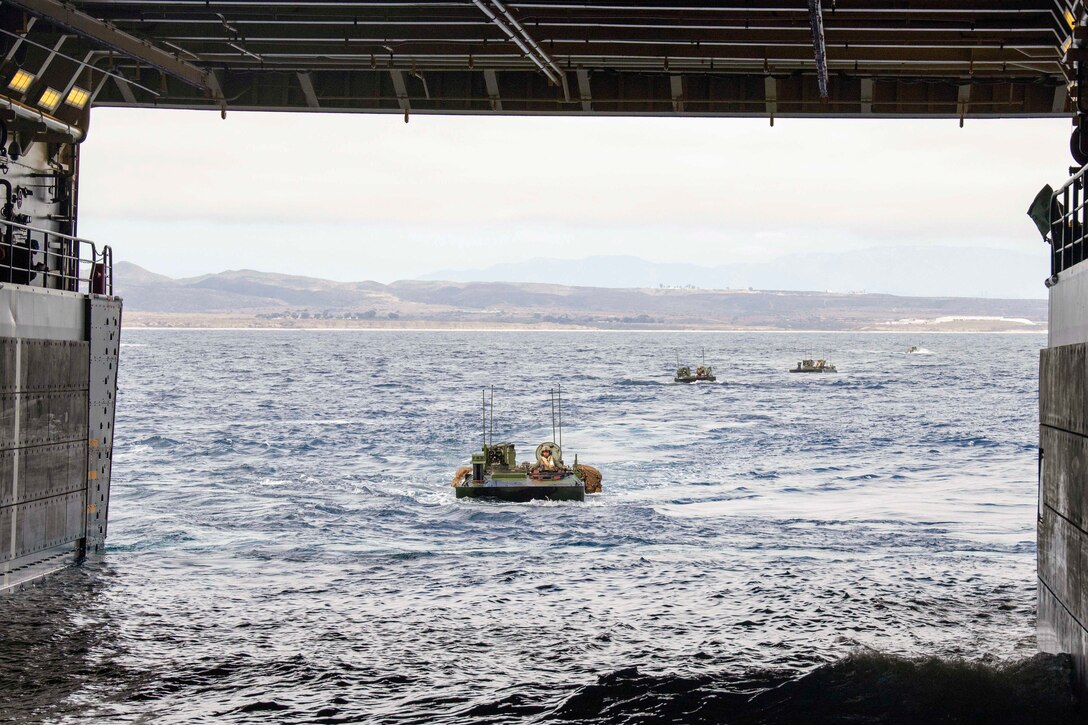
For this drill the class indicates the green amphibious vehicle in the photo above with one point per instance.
(495, 472)
(814, 366)
(702, 374)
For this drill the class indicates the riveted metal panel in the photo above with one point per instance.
(45, 472)
(52, 417)
(8, 401)
(104, 333)
(7, 364)
(78, 363)
(42, 525)
(52, 365)
(6, 514)
(7, 462)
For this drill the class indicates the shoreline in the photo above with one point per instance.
(776, 331)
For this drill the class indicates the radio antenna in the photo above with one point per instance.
(551, 396)
(492, 437)
(560, 418)
(483, 420)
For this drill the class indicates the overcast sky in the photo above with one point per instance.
(354, 197)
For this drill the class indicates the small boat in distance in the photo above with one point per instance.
(814, 366)
(912, 349)
(495, 472)
(703, 373)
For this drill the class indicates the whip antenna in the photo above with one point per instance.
(560, 418)
(492, 437)
(483, 420)
(551, 396)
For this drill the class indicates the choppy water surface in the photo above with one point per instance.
(284, 542)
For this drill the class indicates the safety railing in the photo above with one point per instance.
(44, 258)
(1068, 222)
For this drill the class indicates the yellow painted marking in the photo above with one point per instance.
(93, 443)
(92, 508)
(1069, 18)
(92, 476)
(1065, 46)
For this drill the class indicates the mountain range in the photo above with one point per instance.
(248, 298)
(912, 271)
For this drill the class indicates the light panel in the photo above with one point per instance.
(78, 97)
(50, 99)
(21, 81)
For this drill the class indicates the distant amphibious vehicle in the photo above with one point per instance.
(814, 366)
(703, 373)
(495, 472)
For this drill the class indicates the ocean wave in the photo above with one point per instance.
(862, 688)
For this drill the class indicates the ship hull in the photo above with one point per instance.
(521, 493)
(58, 384)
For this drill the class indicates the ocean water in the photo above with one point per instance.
(284, 544)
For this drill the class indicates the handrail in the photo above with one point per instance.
(44, 258)
(1068, 222)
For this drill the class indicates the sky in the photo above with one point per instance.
(355, 197)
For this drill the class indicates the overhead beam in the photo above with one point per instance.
(47, 62)
(19, 39)
(93, 29)
(491, 82)
(676, 86)
(126, 91)
(584, 90)
(401, 89)
(307, 85)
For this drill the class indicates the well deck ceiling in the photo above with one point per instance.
(898, 58)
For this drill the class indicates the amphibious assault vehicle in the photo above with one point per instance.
(814, 366)
(703, 373)
(495, 472)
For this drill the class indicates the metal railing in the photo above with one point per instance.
(1068, 222)
(44, 258)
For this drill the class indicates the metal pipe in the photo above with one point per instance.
(32, 114)
(816, 19)
(544, 68)
(536, 46)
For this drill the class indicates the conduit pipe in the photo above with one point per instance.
(545, 66)
(816, 20)
(32, 114)
(541, 53)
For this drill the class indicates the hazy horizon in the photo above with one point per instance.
(367, 197)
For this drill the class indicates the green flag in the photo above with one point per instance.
(1044, 210)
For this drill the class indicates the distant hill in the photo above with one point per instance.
(911, 271)
(248, 298)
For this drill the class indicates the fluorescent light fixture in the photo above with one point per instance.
(50, 99)
(78, 97)
(20, 81)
